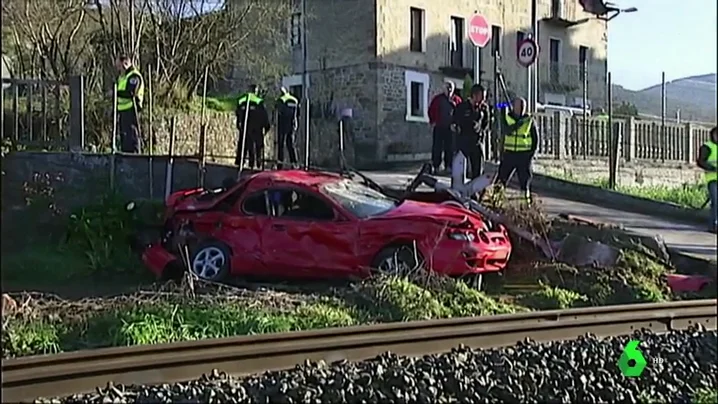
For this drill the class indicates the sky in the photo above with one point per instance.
(675, 36)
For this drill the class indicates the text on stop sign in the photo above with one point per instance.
(479, 30)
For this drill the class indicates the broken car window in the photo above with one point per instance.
(255, 204)
(359, 199)
(288, 203)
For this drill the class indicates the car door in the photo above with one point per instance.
(305, 238)
(241, 229)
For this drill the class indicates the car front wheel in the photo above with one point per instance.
(211, 261)
(398, 260)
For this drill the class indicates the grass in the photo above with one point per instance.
(706, 396)
(87, 245)
(222, 104)
(149, 319)
(688, 195)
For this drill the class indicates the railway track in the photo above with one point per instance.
(25, 379)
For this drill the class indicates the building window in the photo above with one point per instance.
(582, 61)
(296, 91)
(554, 59)
(495, 40)
(456, 46)
(416, 41)
(417, 96)
(295, 29)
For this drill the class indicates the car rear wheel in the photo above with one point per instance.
(397, 260)
(211, 261)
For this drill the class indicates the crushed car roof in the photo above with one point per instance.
(303, 177)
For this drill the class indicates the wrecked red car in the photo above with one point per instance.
(312, 224)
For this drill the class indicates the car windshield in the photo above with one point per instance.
(359, 199)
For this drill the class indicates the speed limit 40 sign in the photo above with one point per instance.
(527, 52)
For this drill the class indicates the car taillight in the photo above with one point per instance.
(462, 235)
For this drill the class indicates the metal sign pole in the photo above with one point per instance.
(113, 144)
(244, 138)
(533, 87)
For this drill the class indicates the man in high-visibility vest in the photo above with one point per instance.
(251, 109)
(520, 143)
(130, 95)
(601, 114)
(287, 124)
(708, 161)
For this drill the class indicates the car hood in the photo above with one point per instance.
(431, 212)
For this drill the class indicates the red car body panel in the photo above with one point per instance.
(345, 246)
(687, 283)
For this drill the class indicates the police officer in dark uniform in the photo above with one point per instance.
(130, 95)
(287, 124)
(521, 140)
(251, 109)
(471, 119)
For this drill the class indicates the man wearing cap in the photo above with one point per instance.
(441, 111)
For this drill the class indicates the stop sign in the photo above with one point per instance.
(479, 30)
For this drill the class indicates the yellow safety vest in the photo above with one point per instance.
(289, 97)
(712, 159)
(603, 116)
(124, 104)
(520, 138)
(253, 99)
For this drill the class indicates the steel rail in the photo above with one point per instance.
(25, 379)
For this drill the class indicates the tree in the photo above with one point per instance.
(625, 109)
(179, 39)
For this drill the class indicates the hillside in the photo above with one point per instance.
(694, 96)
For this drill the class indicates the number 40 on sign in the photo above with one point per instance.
(527, 52)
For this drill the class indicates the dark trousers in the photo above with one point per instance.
(471, 147)
(129, 128)
(520, 162)
(285, 138)
(254, 149)
(442, 147)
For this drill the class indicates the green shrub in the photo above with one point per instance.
(553, 298)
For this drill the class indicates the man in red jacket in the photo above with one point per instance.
(441, 110)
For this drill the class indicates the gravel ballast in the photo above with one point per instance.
(680, 364)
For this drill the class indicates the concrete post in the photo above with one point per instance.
(559, 135)
(689, 143)
(630, 138)
(76, 138)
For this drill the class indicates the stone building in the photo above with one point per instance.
(385, 59)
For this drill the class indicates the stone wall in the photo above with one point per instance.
(221, 133)
(333, 90)
(75, 179)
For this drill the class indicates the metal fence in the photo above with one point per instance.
(44, 114)
(568, 137)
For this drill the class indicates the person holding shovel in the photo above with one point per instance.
(252, 124)
(708, 161)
